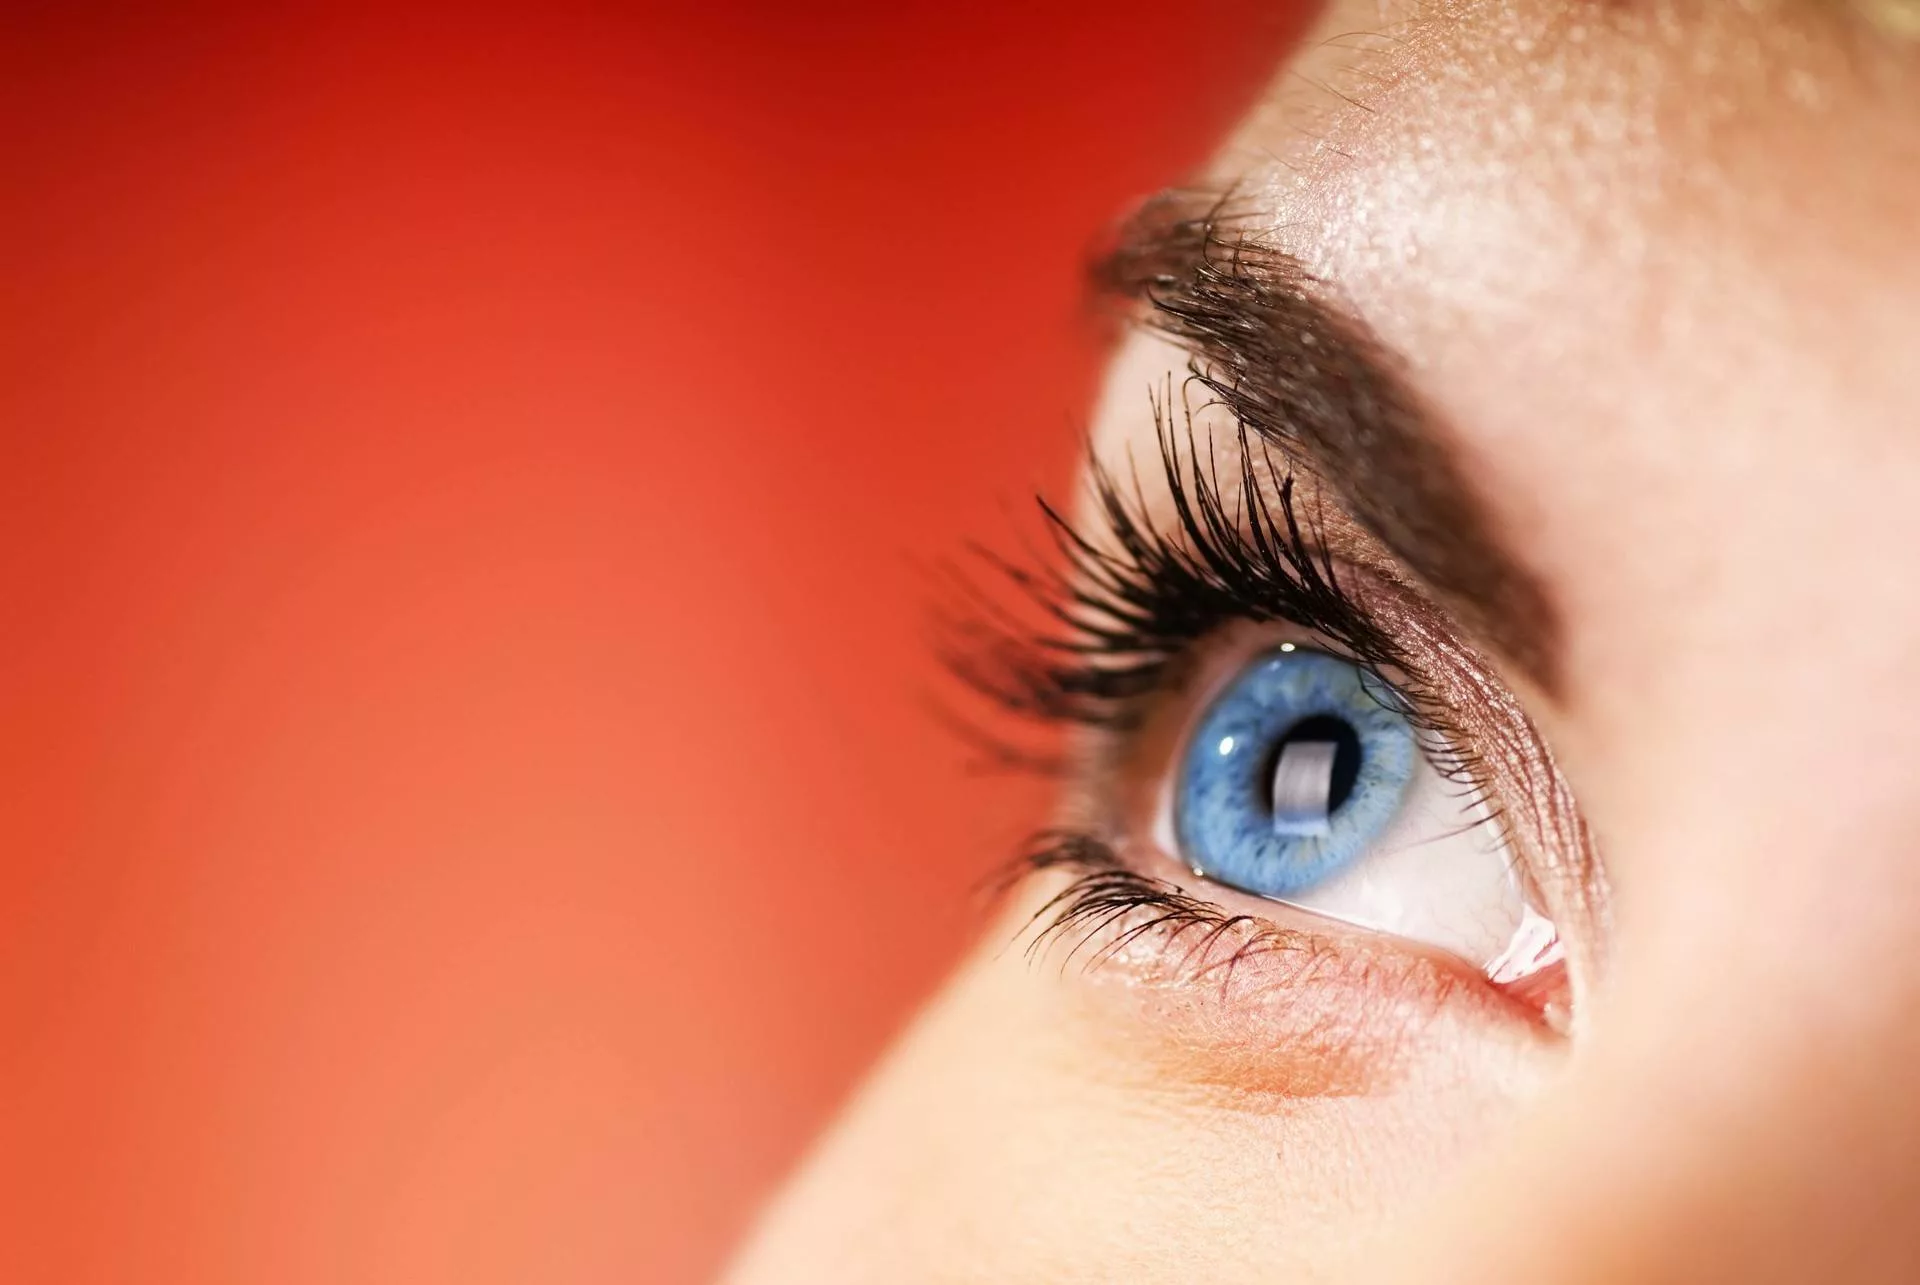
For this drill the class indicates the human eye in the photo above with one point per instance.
(1305, 779)
(1262, 768)
(1281, 749)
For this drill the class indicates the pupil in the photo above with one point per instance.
(1325, 729)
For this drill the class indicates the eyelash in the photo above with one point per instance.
(1108, 899)
(1118, 616)
(1117, 620)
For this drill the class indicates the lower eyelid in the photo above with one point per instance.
(1291, 1006)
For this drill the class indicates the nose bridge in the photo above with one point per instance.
(1733, 1116)
(1749, 1096)
(1760, 1036)
(1749, 711)
(1734, 1128)
(1760, 1106)
(1744, 1104)
(1774, 816)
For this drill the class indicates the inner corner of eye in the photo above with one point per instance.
(1295, 782)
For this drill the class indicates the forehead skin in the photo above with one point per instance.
(1658, 269)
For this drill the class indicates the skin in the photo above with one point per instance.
(1658, 272)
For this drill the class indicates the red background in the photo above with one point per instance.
(467, 809)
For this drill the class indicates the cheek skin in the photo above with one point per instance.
(1040, 1125)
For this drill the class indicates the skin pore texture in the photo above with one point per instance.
(1654, 273)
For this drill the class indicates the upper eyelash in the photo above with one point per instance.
(1116, 614)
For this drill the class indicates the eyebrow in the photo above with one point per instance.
(1290, 367)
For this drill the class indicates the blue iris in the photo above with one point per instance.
(1341, 723)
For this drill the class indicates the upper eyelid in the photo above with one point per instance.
(1148, 577)
(1141, 588)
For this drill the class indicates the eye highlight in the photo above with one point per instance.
(1291, 772)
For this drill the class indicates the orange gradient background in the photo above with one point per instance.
(469, 806)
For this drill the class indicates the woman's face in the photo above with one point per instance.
(1491, 843)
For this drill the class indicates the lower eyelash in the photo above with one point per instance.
(1245, 1003)
(1110, 903)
